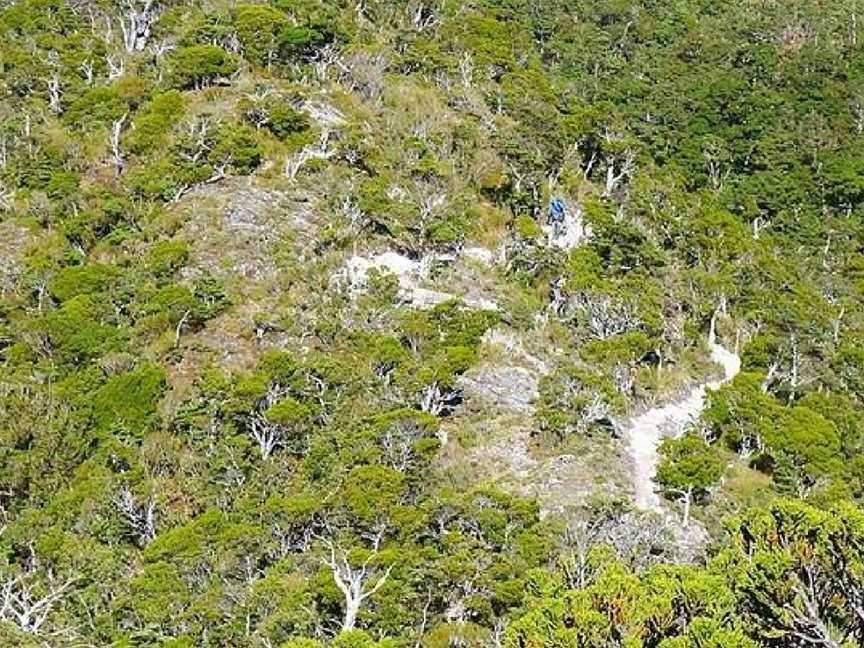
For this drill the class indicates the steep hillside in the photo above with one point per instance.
(432, 323)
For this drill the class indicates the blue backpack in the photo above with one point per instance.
(556, 211)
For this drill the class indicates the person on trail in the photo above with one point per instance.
(555, 216)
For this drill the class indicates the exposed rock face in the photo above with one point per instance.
(498, 416)
(512, 346)
(501, 453)
(570, 232)
(689, 542)
(12, 241)
(410, 273)
(325, 114)
(233, 227)
(509, 456)
(504, 388)
(481, 255)
(424, 298)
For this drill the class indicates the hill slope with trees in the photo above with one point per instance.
(320, 322)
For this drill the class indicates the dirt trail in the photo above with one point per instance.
(644, 433)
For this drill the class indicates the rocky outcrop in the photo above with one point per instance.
(570, 231)
(503, 388)
(12, 241)
(232, 228)
(410, 273)
(483, 256)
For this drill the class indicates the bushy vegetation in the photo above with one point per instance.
(175, 472)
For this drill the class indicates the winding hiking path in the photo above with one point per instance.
(644, 432)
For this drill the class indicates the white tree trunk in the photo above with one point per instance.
(136, 22)
(320, 151)
(116, 153)
(617, 170)
(116, 67)
(352, 581)
(21, 606)
(141, 518)
(55, 92)
(688, 499)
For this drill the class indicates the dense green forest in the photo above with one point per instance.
(320, 322)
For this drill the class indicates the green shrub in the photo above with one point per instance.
(315, 26)
(258, 28)
(159, 594)
(128, 400)
(284, 121)
(173, 300)
(166, 257)
(157, 180)
(104, 104)
(568, 395)
(527, 228)
(196, 66)
(152, 125)
(289, 411)
(35, 168)
(236, 144)
(76, 333)
(86, 279)
(62, 185)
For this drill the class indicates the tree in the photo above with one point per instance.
(314, 26)
(136, 22)
(741, 413)
(575, 399)
(197, 66)
(407, 439)
(128, 400)
(152, 124)
(689, 468)
(797, 573)
(667, 606)
(438, 393)
(203, 489)
(140, 517)
(357, 583)
(258, 28)
(805, 448)
(27, 602)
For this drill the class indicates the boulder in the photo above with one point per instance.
(504, 388)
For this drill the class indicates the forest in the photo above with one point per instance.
(432, 323)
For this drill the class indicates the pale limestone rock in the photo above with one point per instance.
(571, 233)
(504, 388)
